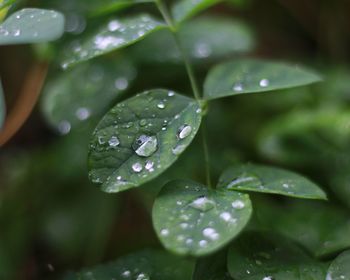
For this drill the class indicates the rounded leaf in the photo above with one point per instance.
(143, 265)
(252, 75)
(191, 219)
(200, 40)
(266, 179)
(267, 256)
(340, 268)
(31, 26)
(141, 137)
(70, 98)
(115, 34)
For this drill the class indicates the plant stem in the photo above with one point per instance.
(164, 11)
(206, 153)
(189, 69)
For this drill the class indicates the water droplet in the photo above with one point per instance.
(238, 87)
(202, 203)
(226, 216)
(143, 122)
(126, 273)
(238, 204)
(82, 113)
(16, 32)
(137, 167)
(164, 232)
(113, 141)
(203, 243)
(149, 165)
(202, 50)
(64, 127)
(145, 145)
(245, 180)
(286, 186)
(121, 83)
(184, 131)
(171, 93)
(267, 278)
(210, 233)
(264, 82)
(114, 25)
(161, 105)
(178, 149)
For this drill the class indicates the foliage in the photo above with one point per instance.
(139, 82)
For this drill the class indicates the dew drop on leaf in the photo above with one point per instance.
(113, 141)
(137, 167)
(202, 203)
(184, 131)
(264, 82)
(238, 204)
(145, 145)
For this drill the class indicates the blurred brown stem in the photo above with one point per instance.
(25, 102)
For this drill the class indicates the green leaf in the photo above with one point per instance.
(147, 264)
(321, 228)
(6, 3)
(70, 98)
(251, 75)
(265, 179)
(267, 256)
(212, 267)
(191, 219)
(141, 137)
(339, 268)
(31, 26)
(185, 9)
(200, 40)
(2, 106)
(114, 35)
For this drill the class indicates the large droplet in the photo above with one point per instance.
(245, 180)
(184, 131)
(202, 203)
(145, 145)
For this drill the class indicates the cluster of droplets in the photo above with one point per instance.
(239, 87)
(116, 34)
(31, 17)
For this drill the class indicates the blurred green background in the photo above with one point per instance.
(53, 220)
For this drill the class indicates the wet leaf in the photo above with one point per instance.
(31, 26)
(251, 75)
(69, 98)
(200, 40)
(143, 265)
(266, 179)
(191, 219)
(212, 267)
(339, 268)
(141, 137)
(185, 9)
(114, 35)
(321, 228)
(2, 106)
(268, 256)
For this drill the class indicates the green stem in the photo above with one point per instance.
(206, 153)
(189, 69)
(164, 11)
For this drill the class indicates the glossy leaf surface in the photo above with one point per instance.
(251, 75)
(266, 179)
(113, 35)
(267, 256)
(191, 219)
(31, 26)
(147, 264)
(340, 267)
(141, 137)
